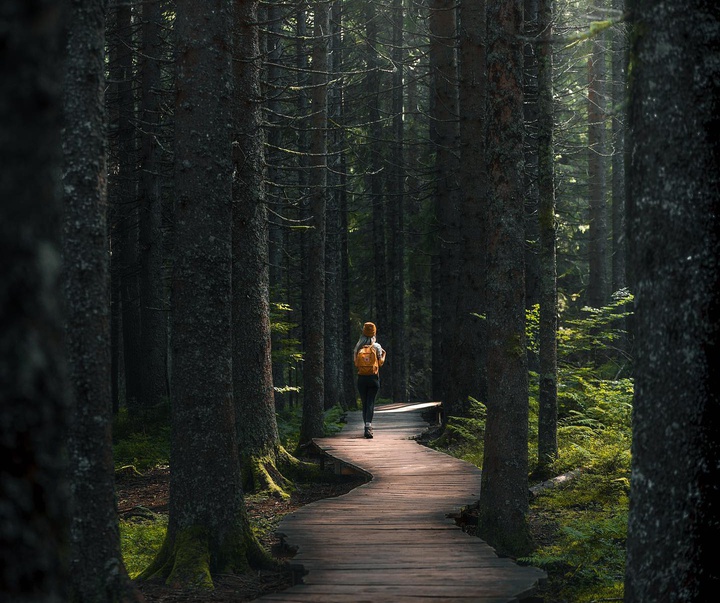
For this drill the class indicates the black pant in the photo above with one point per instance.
(368, 386)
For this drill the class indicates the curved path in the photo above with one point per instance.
(390, 540)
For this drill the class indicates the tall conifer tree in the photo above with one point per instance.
(503, 504)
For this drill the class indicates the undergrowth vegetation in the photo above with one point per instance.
(580, 527)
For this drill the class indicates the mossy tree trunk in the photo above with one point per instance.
(97, 571)
(208, 529)
(262, 457)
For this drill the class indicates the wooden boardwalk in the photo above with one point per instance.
(390, 540)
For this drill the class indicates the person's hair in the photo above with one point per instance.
(364, 340)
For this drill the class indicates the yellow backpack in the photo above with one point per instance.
(366, 361)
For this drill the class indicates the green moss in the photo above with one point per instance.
(140, 541)
(190, 559)
(297, 470)
(191, 565)
(243, 552)
(276, 472)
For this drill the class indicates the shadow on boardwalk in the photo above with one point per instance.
(391, 540)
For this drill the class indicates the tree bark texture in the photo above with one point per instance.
(418, 344)
(252, 366)
(153, 336)
(124, 184)
(598, 284)
(466, 351)
(396, 218)
(674, 239)
(377, 294)
(314, 315)
(208, 530)
(503, 501)
(348, 392)
(113, 119)
(277, 237)
(35, 515)
(619, 86)
(335, 345)
(548, 414)
(532, 201)
(444, 137)
(97, 570)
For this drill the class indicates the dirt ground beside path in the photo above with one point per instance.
(141, 495)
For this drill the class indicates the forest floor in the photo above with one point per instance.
(146, 494)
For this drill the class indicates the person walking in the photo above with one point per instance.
(369, 357)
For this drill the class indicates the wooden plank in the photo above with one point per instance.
(443, 592)
(391, 540)
(297, 595)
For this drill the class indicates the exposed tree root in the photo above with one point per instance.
(190, 559)
(276, 473)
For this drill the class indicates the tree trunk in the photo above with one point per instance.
(598, 285)
(530, 91)
(396, 218)
(208, 529)
(548, 412)
(125, 187)
(503, 501)
(272, 49)
(348, 392)
(377, 288)
(33, 385)
(261, 455)
(619, 84)
(673, 235)
(114, 210)
(314, 315)
(298, 246)
(419, 317)
(97, 572)
(465, 357)
(335, 345)
(252, 366)
(444, 137)
(152, 307)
